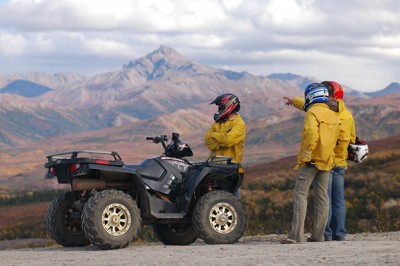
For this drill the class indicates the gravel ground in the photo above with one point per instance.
(358, 249)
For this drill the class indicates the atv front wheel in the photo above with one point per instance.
(175, 234)
(111, 219)
(219, 218)
(63, 222)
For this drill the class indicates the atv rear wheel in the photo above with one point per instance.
(175, 234)
(219, 218)
(111, 219)
(63, 222)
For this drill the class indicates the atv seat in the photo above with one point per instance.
(148, 169)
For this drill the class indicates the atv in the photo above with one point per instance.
(109, 200)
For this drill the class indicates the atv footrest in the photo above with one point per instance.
(168, 215)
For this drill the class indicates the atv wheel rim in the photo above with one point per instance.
(116, 219)
(223, 218)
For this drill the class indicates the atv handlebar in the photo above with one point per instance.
(163, 139)
(175, 149)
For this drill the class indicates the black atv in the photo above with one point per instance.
(109, 200)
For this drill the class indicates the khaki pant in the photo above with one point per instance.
(306, 176)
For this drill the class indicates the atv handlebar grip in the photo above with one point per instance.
(149, 138)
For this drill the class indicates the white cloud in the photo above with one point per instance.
(12, 44)
(107, 48)
(347, 38)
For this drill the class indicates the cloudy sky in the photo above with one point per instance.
(355, 42)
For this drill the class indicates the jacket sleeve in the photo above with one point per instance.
(231, 138)
(353, 132)
(210, 142)
(310, 136)
(298, 102)
(342, 142)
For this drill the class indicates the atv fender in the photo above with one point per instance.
(134, 182)
(217, 172)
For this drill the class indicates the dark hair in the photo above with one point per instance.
(330, 88)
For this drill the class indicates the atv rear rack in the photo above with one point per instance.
(63, 165)
(74, 155)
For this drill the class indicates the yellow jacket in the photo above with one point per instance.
(227, 138)
(323, 136)
(348, 125)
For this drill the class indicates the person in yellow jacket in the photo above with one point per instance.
(227, 135)
(336, 226)
(322, 137)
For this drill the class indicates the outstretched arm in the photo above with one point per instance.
(297, 102)
(289, 101)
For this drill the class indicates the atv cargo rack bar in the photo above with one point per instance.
(74, 154)
(219, 158)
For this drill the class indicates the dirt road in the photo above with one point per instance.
(358, 249)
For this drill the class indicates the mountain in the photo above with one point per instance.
(295, 80)
(393, 87)
(166, 62)
(160, 83)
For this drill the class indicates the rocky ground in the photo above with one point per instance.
(358, 249)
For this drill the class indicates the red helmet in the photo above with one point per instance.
(227, 104)
(338, 90)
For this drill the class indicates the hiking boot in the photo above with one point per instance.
(288, 241)
(338, 238)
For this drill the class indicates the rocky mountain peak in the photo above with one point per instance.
(160, 62)
(167, 52)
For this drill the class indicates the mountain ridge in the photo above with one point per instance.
(393, 87)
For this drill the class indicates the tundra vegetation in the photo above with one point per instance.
(371, 191)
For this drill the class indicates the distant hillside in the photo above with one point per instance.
(25, 88)
(392, 88)
(54, 81)
(296, 80)
(284, 76)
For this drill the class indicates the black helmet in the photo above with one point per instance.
(227, 104)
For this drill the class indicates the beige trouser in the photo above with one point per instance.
(319, 179)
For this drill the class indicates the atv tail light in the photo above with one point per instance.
(53, 171)
(102, 162)
(74, 167)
